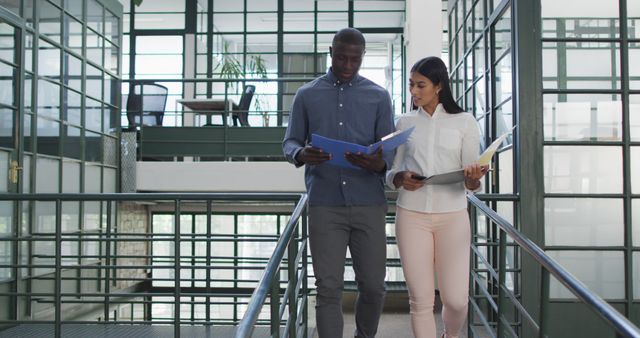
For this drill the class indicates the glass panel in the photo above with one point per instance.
(633, 13)
(591, 19)
(503, 76)
(4, 171)
(636, 275)
(49, 60)
(94, 16)
(364, 19)
(72, 107)
(634, 117)
(635, 169)
(635, 225)
(72, 143)
(581, 65)
(70, 219)
(582, 117)
(28, 52)
(50, 21)
(263, 5)
(297, 5)
(48, 99)
(231, 22)
(26, 175)
(73, 34)
(70, 177)
(94, 48)
(94, 82)
(48, 137)
(7, 42)
(160, 21)
(262, 22)
(28, 139)
(8, 80)
(601, 271)
(74, 7)
(112, 27)
(502, 30)
(584, 221)
(111, 54)
(47, 175)
(634, 62)
(74, 72)
(582, 169)
(332, 21)
(110, 185)
(505, 172)
(93, 115)
(93, 147)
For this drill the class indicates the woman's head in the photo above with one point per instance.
(429, 85)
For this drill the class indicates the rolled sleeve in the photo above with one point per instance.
(296, 135)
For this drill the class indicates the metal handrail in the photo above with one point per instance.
(247, 324)
(579, 289)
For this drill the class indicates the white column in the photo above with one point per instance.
(423, 29)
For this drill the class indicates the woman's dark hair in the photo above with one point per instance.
(435, 70)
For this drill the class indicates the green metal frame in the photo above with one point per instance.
(57, 287)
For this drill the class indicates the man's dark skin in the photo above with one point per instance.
(346, 59)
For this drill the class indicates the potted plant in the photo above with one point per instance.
(258, 68)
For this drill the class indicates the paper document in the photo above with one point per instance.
(485, 157)
(338, 148)
(446, 178)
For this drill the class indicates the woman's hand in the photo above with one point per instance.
(403, 179)
(472, 175)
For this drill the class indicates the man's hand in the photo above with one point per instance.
(311, 155)
(373, 162)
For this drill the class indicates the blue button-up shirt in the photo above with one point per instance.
(358, 111)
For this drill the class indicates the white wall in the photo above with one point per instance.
(219, 177)
(423, 29)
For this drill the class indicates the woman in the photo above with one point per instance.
(432, 223)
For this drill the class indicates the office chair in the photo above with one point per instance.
(145, 104)
(241, 111)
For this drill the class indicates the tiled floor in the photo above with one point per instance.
(394, 323)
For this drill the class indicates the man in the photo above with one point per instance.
(347, 207)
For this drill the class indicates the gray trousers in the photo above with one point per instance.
(362, 230)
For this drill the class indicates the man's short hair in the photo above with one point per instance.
(349, 36)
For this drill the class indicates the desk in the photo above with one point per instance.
(209, 107)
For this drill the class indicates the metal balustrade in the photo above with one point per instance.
(494, 300)
(109, 276)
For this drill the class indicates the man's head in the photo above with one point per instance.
(347, 50)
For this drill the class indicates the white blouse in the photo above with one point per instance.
(439, 143)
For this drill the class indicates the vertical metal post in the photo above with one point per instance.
(107, 270)
(544, 302)
(293, 282)
(176, 269)
(58, 272)
(275, 305)
(208, 265)
(502, 263)
(305, 266)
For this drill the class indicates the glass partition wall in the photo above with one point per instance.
(59, 105)
(576, 84)
(276, 45)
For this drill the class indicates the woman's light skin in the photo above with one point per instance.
(426, 95)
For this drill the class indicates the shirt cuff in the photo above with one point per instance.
(389, 179)
(295, 159)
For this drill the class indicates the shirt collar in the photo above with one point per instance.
(336, 82)
(439, 111)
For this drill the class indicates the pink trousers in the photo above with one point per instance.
(435, 245)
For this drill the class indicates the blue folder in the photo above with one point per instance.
(338, 148)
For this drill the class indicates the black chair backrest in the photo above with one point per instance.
(145, 104)
(245, 99)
